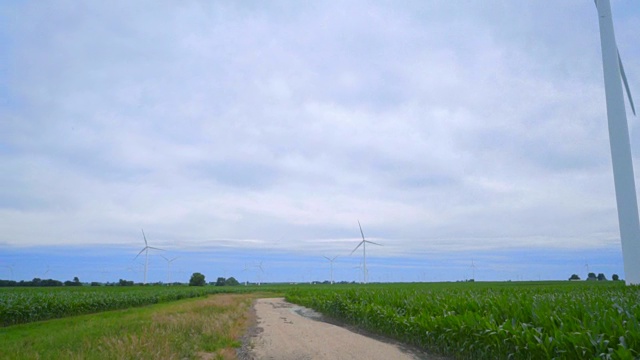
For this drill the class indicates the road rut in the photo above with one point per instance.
(290, 332)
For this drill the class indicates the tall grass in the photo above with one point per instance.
(201, 328)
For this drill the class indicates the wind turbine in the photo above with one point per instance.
(246, 268)
(169, 261)
(146, 255)
(259, 278)
(586, 264)
(364, 252)
(359, 267)
(623, 178)
(331, 260)
(473, 271)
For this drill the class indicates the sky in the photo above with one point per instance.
(248, 139)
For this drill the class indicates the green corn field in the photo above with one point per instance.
(23, 305)
(493, 321)
(561, 320)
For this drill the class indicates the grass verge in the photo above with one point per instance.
(201, 328)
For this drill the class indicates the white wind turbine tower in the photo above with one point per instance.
(620, 145)
(259, 278)
(169, 261)
(146, 255)
(586, 264)
(331, 260)
(364, 252)
(473, 270)
(246, 268)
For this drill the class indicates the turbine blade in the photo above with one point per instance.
(141, 251)
(154, 248)
(375, 243)
(360, 226)
(162, 256)
(354, 250)
(326, 258)
(626, 84)
(145, 238)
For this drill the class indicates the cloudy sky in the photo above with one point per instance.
(236, 133)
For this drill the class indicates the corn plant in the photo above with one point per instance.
(493, 322)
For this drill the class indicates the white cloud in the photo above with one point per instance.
(440, 126)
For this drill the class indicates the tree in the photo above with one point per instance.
(231, 282)
(123, 282)
(197, 279)
(592, 276)
(75, 282)
(574, 277)
(615, 277)
(220, 281)
(601, 277)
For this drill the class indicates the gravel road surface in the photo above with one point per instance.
(287, 331)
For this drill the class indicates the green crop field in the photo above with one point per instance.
(562, 320)
(528, 320)
(24, 305)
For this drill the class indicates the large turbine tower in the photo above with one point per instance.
(145, 250)
(363, 243)
(169, 261)
(620, 145)
(331, 260)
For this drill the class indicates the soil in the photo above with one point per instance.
(286, 331)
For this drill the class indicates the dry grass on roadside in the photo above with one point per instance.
(209, 328)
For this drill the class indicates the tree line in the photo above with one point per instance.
(37, 282)
(592, 277)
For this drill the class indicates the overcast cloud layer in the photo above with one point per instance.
(441, 126)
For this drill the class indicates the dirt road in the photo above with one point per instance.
(286, 332)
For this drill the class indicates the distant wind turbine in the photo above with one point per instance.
(246, 268)
(169, 261)
(623, 177)
(473, 270)
(259, 278)
(364, 252)
(331, 260)
(145, 250)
